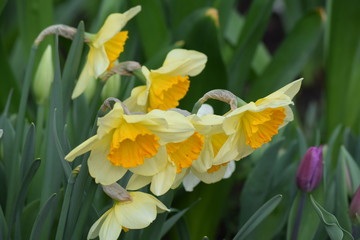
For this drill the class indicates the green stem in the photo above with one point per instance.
(139, 74)
(297, 223)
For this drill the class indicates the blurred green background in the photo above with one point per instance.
(253, 48)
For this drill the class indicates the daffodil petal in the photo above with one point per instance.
(113, 24)
(190, 182)
(204, 162)
(137, 101)
(230, 169)
(110, 121)
(86, 75)
(110, 229)
(82, 148)
(210, 177)
(162, 181)
(183, 62)
(289, 90)
(95, 228)
(138, 181)
(100, 167)
(138, 213)
(100, 61)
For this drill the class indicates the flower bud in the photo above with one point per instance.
(310, 170)
(43, 77)
(111, 87)
(354, 210)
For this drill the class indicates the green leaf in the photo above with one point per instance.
(291, 56)
(28, 150)
(351, 169)
(28, 217)
(308, 224)
(258, 217)
(258, 182)
(3, 225)
(341, 196)
(331, 224)
(255, 25)
(214, 76)
(173, 219)
(152, 27)
(39, 224)
(72, 65)
(341, 61)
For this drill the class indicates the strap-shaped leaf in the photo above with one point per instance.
(331, 224)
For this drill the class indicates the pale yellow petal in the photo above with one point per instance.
(162, 181)
(183, 62)
(95, 228)
(113, 24)
(179, 178)
(138, 213)
(100, 167)
(110, 229)
(210, 177)
(289, 90)
(230, 169)
(137, 181)
(152, 165)
(137, 102)
(110, 121)
(86, 75)
(229, 151)
(206, 157)
(100, 61)
(82, 148)
(170, 126)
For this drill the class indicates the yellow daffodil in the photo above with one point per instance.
(124, 141)
(136, 213)
(105, 48)
(168, 84)
(164, 169)
(250, 126)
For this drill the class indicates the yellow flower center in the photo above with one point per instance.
(214, 168)
(183, 153)
(115, 46)
(131, 144)
(166, 91)
(217, 140)
(261, 126)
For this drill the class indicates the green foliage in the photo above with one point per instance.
(45, 197)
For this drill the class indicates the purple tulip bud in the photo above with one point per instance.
(309, 172)
(355, 204)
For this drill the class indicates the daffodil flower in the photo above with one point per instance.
(125, 141)
(168, 84)
(105, 48)
(166, 169)
(250, 126)
(136, 213)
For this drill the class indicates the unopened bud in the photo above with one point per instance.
(43, 77)
(309, 172)
(116, 192)
(111, 87)
(354, 210)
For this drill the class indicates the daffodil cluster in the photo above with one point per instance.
(157, 144)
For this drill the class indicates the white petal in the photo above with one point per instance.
(100, 167)
(82, 148)
(190, 182)
(205, 109)
(211, 177)
(230, 169)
